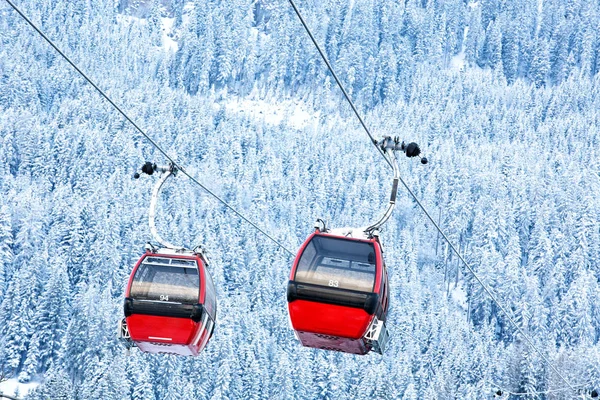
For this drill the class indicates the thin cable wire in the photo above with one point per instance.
(521, 394)
(5, 396)
(175, 164)
(486, 288)
(339, 83)
(504, 391)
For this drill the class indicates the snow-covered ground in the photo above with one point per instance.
(457, 62)
(167, 27)
(12, 387)
(168, 43)
(460, 296)
(288, 113)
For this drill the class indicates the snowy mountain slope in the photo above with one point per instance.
(512, 170)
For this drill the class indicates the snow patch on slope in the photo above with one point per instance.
(130, 19)
(167, 32)
(286, 112)
(457, 62)
(13, 387)
(459, 296)
(168, 43)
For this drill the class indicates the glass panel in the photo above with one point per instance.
(211, 298)
(178, 262)
(158, 280)
(156, 260)
(338, 263)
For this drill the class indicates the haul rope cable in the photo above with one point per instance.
(6, 396)
(175, 164)
(339, 83)
(487, 290)
(522, 394)
(397, 326)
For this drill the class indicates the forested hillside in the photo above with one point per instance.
(503, 97)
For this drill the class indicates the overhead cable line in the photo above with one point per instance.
(6, 396)
(171, 159)
(339, 83)
(485, 287)
(499, 391)
(502, 392)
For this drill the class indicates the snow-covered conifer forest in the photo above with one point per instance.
(503, 97)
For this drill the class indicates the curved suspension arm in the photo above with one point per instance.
(167, 172)
(390, 157)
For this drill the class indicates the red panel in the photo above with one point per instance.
(328, 319)
(151, 334)
(147, 327)
(200, 341)
(379, 267)
(201, 270)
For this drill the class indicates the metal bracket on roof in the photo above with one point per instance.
(201, 251)
(389, 146)
(320, 225)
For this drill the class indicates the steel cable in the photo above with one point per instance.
(167, 156)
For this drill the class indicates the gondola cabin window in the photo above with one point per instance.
(166, 279)
(338, 263)
(211, 297)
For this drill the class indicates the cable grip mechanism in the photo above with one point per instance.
(410, 150)
(389, 146)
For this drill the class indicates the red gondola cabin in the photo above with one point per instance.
(170, 303)
(338, 294)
